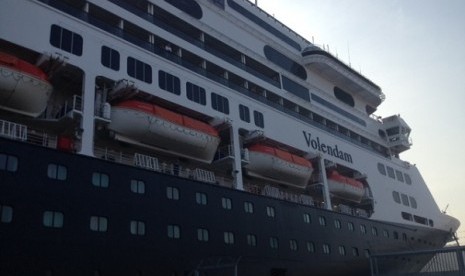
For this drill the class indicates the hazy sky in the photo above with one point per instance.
(415, 51)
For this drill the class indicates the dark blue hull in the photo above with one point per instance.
(150, 234)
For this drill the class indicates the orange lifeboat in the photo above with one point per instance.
(279, 166)
(24, 88)
(345, 187)
(167, 130)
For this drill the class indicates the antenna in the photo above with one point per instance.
(348, 53)
(445, 209)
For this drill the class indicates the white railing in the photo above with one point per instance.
(204, 176)
(13, 130)
(146, 162)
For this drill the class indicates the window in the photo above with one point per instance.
(337, 224)
(366, 252)
(6, 214)
(404, 237)
(307, 218)
(172, 193)
(173, 231)
(98, 224)
(413, 202)
(396, 235)
(137, 228)
(270, 211)
(326, 249)
(284, 62)
(390, 172)
(248, 207)
(381, 169)
(196, 93)
(228, 237)
(66, 40)
(139, 70)
(310, 247)
(274, 244)
(53, 219)
(405, 199)
(350, 226)
(226, 203)
(100, 180)
(8, 163)
(137, 186)
(322, 221)
(363, 229)
(110, 58)
(355, 251)
(58, 172)
(408, 180)
(374, 231)
(244, 113)
(201, 198)
(169, 83)
(220, 103)
(258, 119)
(293, 245)
(342, 250)
(399, 176)
(344, 96)
(252, 240)
(385, 233)
(396, 196)
(202, 234)
(407, 216)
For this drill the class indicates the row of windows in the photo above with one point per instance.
(216, 73)
(408, 201)
(394, 174)
(417, 219)
(66, 40)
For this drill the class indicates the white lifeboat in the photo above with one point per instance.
(279, 166)
(164, 129)
(24, 88)
(345, 187)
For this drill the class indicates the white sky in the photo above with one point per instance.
(415, 51)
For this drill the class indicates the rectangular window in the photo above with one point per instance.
(56, 171)
(98, 224)
(196, 93)
(139, 70)
(310, 247)
(172, 193)
(220, 103)
(244, 113)
(251, 240)
(274, 243)
(404, 198)
(174, 232)
(100, 180)
(66, 40)
(258, 119)
(228, 238)
(53, 219)
(169, 83)
(202, 234)
(322, 220)
(307, 218)
(8, 163)
(390, 172)
(226, 203)
(137, 228)
(293, 245)
(201, 198)
(110, 58)
(137, 186)
(326, 249)
(270, 211)
(400, 176)
(248, 207)
(6, 214)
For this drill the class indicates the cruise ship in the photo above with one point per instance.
(195, 137)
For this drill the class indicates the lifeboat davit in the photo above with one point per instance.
(24, 88)
(279, 166)
(164, 129)
(345, 187)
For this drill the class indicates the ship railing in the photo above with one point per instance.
(13, 130)
(204, 175)
(112, 155)
(280, 194)
(43, 139)
(146, 162)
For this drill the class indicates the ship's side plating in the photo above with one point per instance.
(276, 234)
